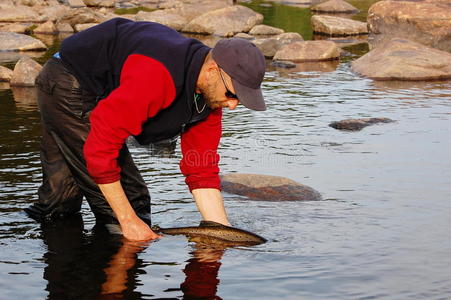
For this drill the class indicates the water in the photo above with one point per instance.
(381, 232)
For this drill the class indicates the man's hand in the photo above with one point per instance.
(133, 228)
(137, 230)
(210, 205)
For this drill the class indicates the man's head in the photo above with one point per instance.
(232, 73)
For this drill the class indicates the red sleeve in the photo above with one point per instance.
(146, 87)
(199, 148)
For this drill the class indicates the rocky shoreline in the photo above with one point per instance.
(420, 24)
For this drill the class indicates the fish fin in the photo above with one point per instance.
(210, 224)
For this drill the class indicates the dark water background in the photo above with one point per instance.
(382, 232)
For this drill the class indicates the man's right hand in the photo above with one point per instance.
(137, 230)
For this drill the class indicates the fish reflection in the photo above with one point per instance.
(84, 264)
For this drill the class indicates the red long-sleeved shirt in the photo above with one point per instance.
(146, 87)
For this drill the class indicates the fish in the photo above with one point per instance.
(210, 232)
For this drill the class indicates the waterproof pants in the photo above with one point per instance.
(65, 109)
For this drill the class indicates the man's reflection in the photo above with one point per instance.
(98, 265)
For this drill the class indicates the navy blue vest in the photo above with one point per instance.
(95, 56)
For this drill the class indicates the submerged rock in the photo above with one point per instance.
(19, 42)
(424, 21)
(401, 59)
(267, 188)
(336, 26)
(308, 51)
(334, 6)
(25, 72)
(283, 64)
(225, 22)
(358, 124)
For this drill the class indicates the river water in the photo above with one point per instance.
(382, 231)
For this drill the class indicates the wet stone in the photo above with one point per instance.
(25, 72)
(267, 188)
(5, 74)
(283, 64)
(358, 124)
(334, 6)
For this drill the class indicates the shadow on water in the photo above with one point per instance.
(97, 265)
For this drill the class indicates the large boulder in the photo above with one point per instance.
(401, 59)
(164, 17)
(334, 6)
(267, 188)
(19, 42)
(25, 72)
(225, 22)
(270, 46)
(358, 124)
(5, 74)
(190, 11)
(308, 51)
(336, 26)
(19, 14)
(54, 12)
(424, 21)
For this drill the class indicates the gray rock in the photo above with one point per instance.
(245, 36)
(225, 22)
(19, 42)
(308, 51)
(53, 13)
(358, 124)
(265, 30)
(422, 21)
(267, 188)
(5, 74)
(195, 9)
(19, 14)
(336, 26)
(25, 72)
(334, 6)
(268, 46)
(164, 17)
(82, 16)
(289, 37)
(401, 59)
(46, 28)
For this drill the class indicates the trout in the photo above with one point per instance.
(216, 233)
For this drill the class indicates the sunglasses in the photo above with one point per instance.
(228, 93)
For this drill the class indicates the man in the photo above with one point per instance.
(123, 78)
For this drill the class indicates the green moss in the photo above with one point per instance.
(131, 11)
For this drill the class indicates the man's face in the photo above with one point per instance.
(215, 93)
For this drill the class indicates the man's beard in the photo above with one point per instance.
(209, 96)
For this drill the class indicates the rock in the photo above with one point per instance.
(265, 30)
(19, 14)
(401, 59)
(64, 28)
(270, 46)
(25, 72)
(425, 22)
(100, 3)
(245, 36)
(308, 51)
(25, 97)
(169, 19)
(76, 3)
(337, 26)
(334, 6)
(190, 11)
(15, 27)
(225, 22)
(358, 124)
(5, 74)
(283, 64)
(19, 42)
(267, 188)
(82, 16)
(6, 4)
(46, 28)
(54, 12)
(81, 27)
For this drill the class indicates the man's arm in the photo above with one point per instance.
(211, 205)
(133, 228)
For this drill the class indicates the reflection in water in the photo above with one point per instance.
(25, 97)
(311, 66)
(97, 265)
